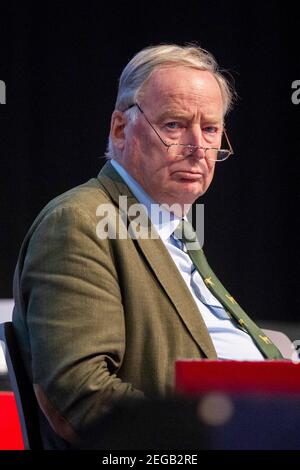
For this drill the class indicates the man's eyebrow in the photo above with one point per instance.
(178, 114)
(213, 119)
(173, 113)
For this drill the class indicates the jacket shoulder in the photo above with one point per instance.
(85, 198)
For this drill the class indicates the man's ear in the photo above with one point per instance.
(117, 129)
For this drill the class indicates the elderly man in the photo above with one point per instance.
(101, 318)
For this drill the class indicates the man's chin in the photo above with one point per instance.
(189, 191)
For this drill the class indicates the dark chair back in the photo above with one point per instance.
(22, 388)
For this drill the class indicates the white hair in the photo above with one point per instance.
(139, 70)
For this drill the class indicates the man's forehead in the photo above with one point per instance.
(179, 82)
(173, 87)
(177, 76)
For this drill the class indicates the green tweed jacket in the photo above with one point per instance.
(96, 319)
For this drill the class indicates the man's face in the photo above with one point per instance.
(185, 106)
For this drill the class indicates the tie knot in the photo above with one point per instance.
(185, 232)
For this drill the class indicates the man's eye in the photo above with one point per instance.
(173, 125)
(211, 129)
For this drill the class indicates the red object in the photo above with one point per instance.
(199, 376)
(10, 429)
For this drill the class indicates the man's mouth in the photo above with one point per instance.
(188, 175)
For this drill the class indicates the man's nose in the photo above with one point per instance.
(198, 153)
(196, 140)
(196, 136)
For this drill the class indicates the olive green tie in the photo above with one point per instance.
(187, 235)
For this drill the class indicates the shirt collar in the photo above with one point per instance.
(165, 222)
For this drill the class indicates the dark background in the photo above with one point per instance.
(61, 62)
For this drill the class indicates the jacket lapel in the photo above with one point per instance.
(162, 266)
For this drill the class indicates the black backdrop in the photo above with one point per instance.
(61, 61)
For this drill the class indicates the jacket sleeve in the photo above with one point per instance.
(75, 322)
